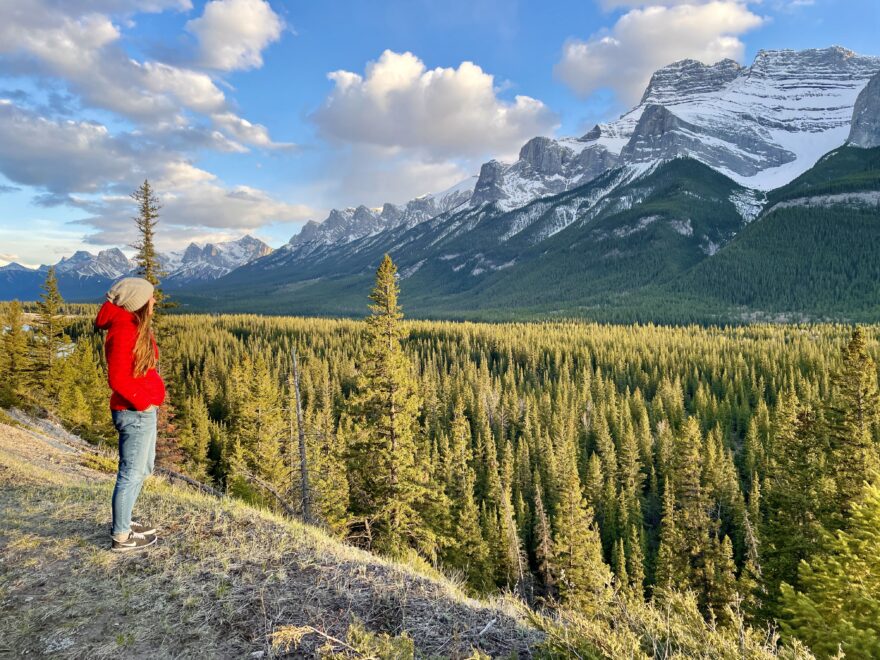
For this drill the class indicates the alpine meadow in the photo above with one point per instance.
(465, 330)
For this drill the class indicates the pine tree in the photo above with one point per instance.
(388, 483)
(798, 489)
(672, 563)
(327, 456)
(618, 567)
(635, 560)
(838, 601)
(195, 438)
(721, 579)
(853, 418)
(146, 258)
(545, 553)
(15, 360)
(582, 576)
(49, 337)
(469, 552)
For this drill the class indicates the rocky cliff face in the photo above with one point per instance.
(865, 128)
(687, 80)
(762, 125)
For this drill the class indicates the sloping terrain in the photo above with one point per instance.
(815, 251)
(225, 579)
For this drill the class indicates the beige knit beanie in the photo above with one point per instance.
(130, 293)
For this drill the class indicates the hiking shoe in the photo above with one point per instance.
(135, 541)
(142, 528)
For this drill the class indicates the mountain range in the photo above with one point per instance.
(87, 276)
(728, 193)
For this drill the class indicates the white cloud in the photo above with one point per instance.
(643, 40)
(82, 48)
(233, 33)
(365, 174)
(60, 156)
(243, 130)
(443, 112)
(195, 205)
(192, 89)
(82, 165)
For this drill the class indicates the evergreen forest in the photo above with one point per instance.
(728, 474)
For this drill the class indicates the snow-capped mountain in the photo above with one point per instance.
(14, 267)
(208, 262)
(761, 125)
(85, 276)
(109, 264)
(709, 152)
(350, 224)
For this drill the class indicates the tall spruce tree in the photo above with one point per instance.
(838, 601)
(15, 358)
(388, 483)
(798, 488)
(49, 336)
(582, 577)
(853, 420)
(146, 257)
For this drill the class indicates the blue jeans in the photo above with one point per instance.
(137, 453)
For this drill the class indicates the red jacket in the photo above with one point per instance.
(128, 392)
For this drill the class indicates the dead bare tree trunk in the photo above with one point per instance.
(303, 461)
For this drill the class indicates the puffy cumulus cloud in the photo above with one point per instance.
(61, 156)
(365, 174)
(644, 40)
(74, 43)
(194, 204)
(193, 89)
(82, 165)
(442, 112)
(233, 33)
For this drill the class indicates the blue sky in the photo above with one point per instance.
(252, 116)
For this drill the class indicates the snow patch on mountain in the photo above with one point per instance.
(747, 204)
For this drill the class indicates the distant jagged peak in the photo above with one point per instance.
(354, 222)
(15, 266)
(685, 79)
(833, 62)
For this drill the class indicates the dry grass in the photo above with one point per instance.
(224, 580)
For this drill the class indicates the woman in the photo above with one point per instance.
(138, 391)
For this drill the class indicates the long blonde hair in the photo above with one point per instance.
(144, 353)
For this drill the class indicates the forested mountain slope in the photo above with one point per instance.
(813, 253)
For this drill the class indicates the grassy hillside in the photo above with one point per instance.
(226, 580)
